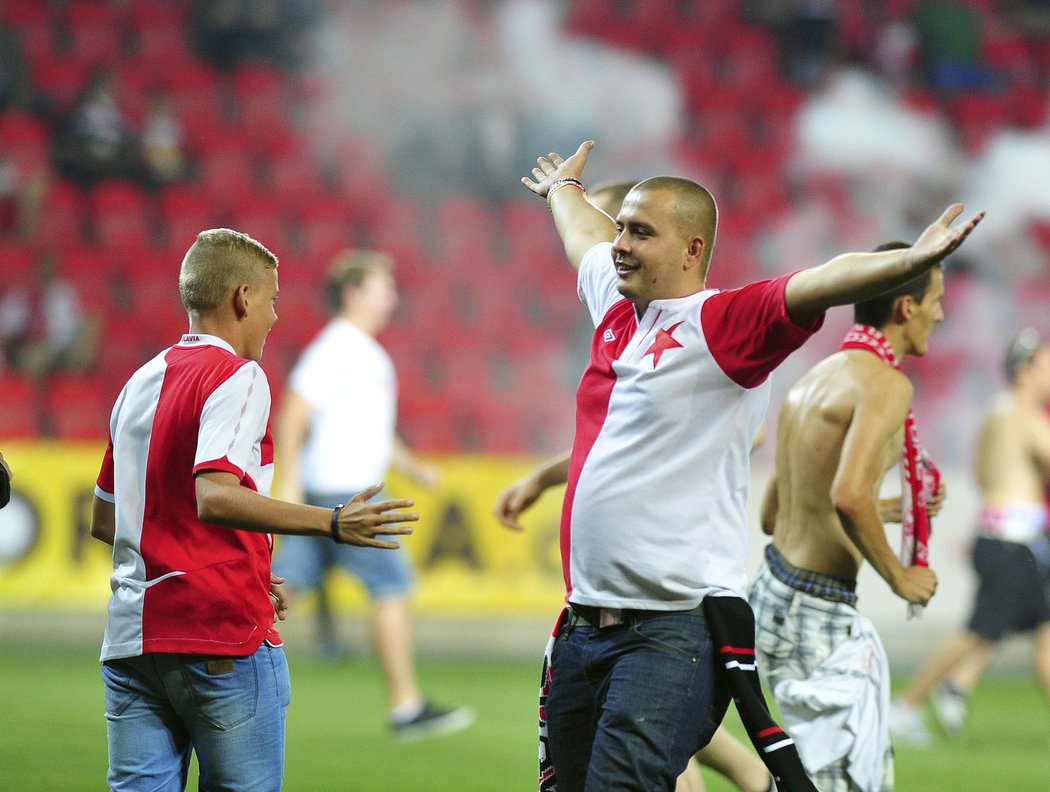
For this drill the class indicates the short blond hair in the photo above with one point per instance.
(350, 268)
(217, 263)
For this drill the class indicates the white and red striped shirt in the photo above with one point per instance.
(655, 509)
(181, 585)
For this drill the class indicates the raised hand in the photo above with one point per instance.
(940, 239)
(552, 167)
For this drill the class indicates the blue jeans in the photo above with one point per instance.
(229, 710)
(629, 704)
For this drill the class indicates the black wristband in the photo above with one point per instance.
(335, 522)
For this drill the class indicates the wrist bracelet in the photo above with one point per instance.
(335, 522)
(561, 183)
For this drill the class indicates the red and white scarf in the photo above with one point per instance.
(920, 478)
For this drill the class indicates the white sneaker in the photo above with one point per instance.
(950, 707)
(907, 726)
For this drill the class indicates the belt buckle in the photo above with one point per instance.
(610, 617)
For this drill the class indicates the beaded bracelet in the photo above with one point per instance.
(561, 183)
(335, 522)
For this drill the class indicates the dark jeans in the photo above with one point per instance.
(629, 704)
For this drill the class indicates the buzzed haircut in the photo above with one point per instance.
(697, 211)
(877, 311)
(217, 263)
(1022, 349)
(609, 195)
(350, 268)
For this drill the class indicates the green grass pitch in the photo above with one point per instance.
(54, 735)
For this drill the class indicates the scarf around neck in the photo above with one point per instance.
(920, 478)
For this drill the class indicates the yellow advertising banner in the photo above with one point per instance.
(467, 563)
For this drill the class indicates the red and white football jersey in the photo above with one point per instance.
(655, 509)
(179, 584)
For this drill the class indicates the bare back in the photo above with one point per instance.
(848, 410)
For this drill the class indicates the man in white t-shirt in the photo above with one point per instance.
(654, 518)
(336, 433)
(191, 660)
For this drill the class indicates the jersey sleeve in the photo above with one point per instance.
(749, 331)
(234, 422)
(596, 282)
(104, 483)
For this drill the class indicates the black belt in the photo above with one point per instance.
(593, 616)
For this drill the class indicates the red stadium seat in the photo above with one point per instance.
(25, 138)
(18, 263)
(120, 213)
(78, 407)
(183, 212)
(260, 97)
(95, 32)
(19, 407)
(59, 81)
(63, 212)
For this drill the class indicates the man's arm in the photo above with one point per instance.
(581, 225)
(770, 505)
(420, 471)
(222, 500)
(520, 495)
(103, 520)
(856, 277)
(876, 421)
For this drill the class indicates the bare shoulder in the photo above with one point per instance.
(872, 380)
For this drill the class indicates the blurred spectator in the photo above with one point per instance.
(1028, 16)
(22, 191)
(808, 34)
(162, 143)
(949, 41)
(230, 32)
(43, 326)
(97, 142)
(14, 75)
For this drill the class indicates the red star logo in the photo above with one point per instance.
(664, 340)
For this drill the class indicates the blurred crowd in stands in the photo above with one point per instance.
(820, 126)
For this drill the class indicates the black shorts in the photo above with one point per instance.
(1014, 591)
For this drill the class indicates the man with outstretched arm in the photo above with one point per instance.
(190, 659)
(654, 518)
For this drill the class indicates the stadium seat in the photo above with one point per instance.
(58, 81)
(462, 225)
(19, 407)
(64, 212)
(18, 263)
(120, 213)
(158, 31)
(26, 139)
(261, 214)
(260, 98)
(976, 118)
(78, 407)
(183, 212)
(96, 32)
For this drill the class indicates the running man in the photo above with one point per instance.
(841, 428)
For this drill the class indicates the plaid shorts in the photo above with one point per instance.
(796, 631)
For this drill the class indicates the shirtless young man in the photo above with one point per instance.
(1011, 554)
(842, 427)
